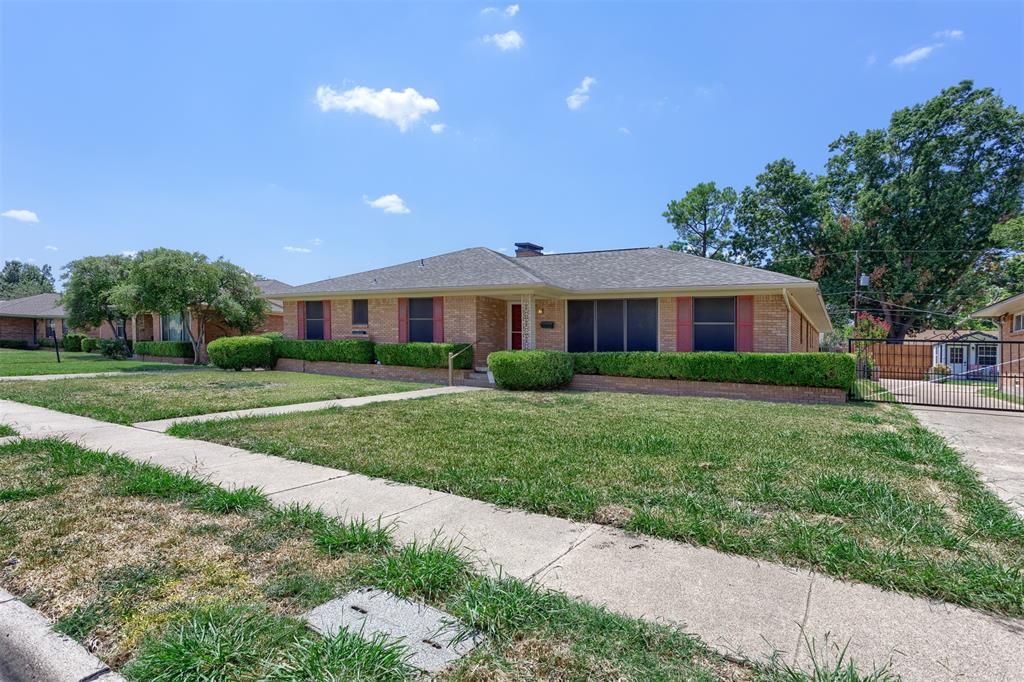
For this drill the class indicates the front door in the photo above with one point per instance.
(957, 359)
(516, 339)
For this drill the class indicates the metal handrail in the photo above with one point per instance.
(451, 361)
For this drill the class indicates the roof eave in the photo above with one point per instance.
(1000, 308)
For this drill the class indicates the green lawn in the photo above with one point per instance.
(166, 577)
(44, 361)
(859, 492)
(142, 397)
(994, 392)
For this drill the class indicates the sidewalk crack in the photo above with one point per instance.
(586, 535)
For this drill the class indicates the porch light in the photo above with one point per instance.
(540, 311)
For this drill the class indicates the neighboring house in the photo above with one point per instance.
(32, 318)
(1009, 315)
(968, 354)
(270, 288)
(629, 299)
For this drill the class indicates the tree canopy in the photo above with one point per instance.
(703, 220)
(18, 280)
(89, 286)
(913, 206)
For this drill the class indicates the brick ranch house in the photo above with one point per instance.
(1009, 315)
(32, 319)
(630, 299)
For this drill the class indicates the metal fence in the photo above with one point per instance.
(986, 375)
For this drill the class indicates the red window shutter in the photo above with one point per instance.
(438, 319)
(684, 324)
(327, 320)
(300, 311)
(403, 320)
(745, 324)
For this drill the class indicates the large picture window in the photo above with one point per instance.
(421, 319)
(609, 325)
(315, 320)
(172, 328)
(714, 324)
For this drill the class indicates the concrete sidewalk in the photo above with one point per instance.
(162, 425)
(737, 605)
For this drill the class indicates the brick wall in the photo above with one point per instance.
(291, 320)
(554, 311)
(1012, 371)
(459, 319)
(383, 320)
(274, 323)
(341, 320)
(667, 324)
(16, 328)
(770, 324)
(491, 328)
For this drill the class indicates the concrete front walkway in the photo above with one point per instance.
(993, 442)
(737, 605)
(162, 425)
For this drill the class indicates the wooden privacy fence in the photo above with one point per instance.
(902, 361)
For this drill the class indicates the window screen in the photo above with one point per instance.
(714, 324)
(421, 319)
(642, 324)
(360, 311)
(610, 329)
(315, 320)
(581, 326)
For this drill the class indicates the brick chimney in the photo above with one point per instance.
(527, 249)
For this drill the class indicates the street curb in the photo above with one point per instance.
(30, 651)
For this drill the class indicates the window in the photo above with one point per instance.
(956, 355)
(172, 329)
(612, 325)
(51, 329)
(119, 326)
(421, 319)
(1018, 322)
(360, 311)
(714, 324)
(986, 354)
(315, 320)
(64, 327)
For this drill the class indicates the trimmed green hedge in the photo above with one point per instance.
(242, 352)
(423, 354)
(88, 345)
(18, 344)
(164, 349)
(829, 370)
(335, 350)
(524, 370)
(73, 342)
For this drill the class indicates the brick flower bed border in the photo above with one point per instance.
(709, 389)
(160, 358)
(427, 375)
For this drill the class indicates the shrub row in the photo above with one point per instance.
(88, 345)
(829, 370)
(242, 352)
(164, 349)
(73, 342)
(14, 343)
(525, 370)
(423, 354)
(336, 350)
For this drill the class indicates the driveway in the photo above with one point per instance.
(945, 394)
(993, 442)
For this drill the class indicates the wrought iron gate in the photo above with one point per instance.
(985, 375)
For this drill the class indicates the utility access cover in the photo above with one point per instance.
(427, 632)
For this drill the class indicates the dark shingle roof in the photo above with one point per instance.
(474, 267)
(620, 270)
(269, 287)
(40, 305)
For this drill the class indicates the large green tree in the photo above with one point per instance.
(912, 206)
(703, 220)
(18, 280)
(89, 286)
(168, 281)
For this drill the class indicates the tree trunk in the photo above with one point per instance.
(198, 348)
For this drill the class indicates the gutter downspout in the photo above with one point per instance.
(789, 320)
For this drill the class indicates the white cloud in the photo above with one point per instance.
(51, 247)
(915, 56)
(511, 40)
(511, 10)
(438, 128)
(401, 108)
(489, 10)
(389, 203)
(580, 94)
(949, 34)
(130, 254)
(297, 249)
(21, 214)
(625, 131)
(316, 241)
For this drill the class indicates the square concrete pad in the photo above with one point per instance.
(517, 543)
(356, 496)
(428, 633)
(738, 605)
(270, 474)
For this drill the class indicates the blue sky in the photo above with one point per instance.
(126, 126)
